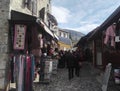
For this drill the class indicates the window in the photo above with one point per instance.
(66, 35)
(29, 4)
(35, 6)
(42, 13)
(62, 34)
(47, 7)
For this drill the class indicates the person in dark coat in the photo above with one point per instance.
(70, 65)
(61, 61)
(79, 58)
(77, 63)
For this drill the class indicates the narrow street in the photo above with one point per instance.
(86, 82)
(90, 80)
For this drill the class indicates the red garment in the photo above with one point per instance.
(28, 66)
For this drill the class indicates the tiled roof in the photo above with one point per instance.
(65, 40)
(52, 18)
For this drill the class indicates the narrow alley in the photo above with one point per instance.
(86, 82)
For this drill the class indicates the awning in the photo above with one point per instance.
(18, 16)
(46, 28)
(56, 36)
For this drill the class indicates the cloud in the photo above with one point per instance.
(101, 15)
(82, 16)
(85, 28)
(94, 12)
(62, 14)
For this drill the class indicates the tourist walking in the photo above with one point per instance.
(70, 64)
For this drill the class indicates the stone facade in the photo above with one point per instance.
(5, 14)
(47, 5)
(19, 5)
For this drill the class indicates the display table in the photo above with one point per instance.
(45, 70)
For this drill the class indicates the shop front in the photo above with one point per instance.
(28, 41)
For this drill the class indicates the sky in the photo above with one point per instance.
(82, 15)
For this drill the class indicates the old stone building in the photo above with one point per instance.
(64, 40)
(29, 12)
(4, 29)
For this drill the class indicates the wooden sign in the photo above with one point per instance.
(106, 77)
(19, 37)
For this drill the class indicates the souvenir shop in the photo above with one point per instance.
(27, 43)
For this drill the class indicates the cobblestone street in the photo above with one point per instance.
(86, 82)
(90, 80)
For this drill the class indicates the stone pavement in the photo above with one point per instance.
(86, 82)
(90, 80)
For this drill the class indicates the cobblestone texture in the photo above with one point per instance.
(86, 82)
(90, 80)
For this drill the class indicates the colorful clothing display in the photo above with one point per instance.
(23, 71)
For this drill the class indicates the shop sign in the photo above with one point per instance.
(19, 37)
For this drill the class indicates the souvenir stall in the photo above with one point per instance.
(48, 64)
(23, 40)
(30, 52)
(55, 61)
(45, 67)
(36, 47)
(22, 61)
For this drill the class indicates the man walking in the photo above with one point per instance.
(70, 64)
(79, 56)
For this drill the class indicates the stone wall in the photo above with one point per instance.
(5, 7)
(41, 4)
(18, 5)
(4, 13)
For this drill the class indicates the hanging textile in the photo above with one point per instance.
(110, 35)
(21, 68)
(19, 38)
(12, 69)
(24, 72)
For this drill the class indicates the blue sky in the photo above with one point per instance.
(82, 15)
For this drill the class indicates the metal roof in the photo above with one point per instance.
(65, 40)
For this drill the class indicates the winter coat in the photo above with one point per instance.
(70, 60)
